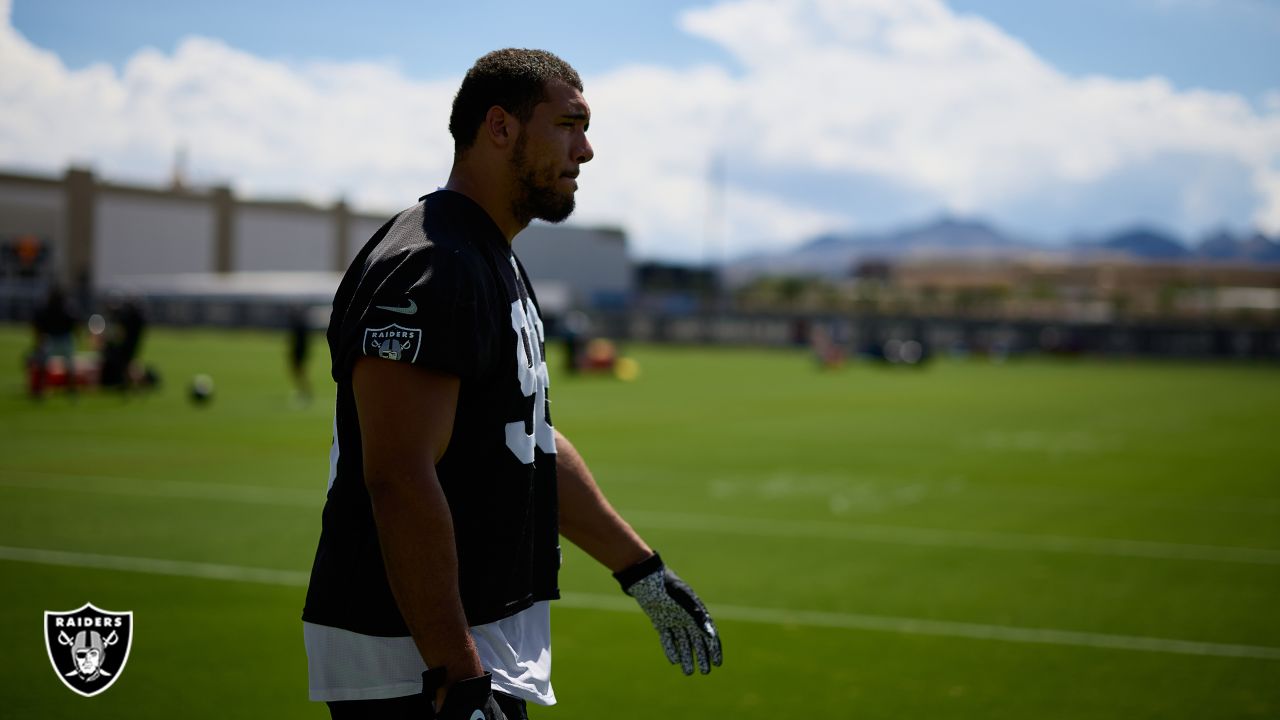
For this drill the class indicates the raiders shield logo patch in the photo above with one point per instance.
(393, 342)
(88, 647)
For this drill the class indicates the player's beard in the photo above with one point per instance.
(536, 193)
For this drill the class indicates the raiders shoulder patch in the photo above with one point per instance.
(393, 342)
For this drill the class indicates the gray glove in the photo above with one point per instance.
(684, 626)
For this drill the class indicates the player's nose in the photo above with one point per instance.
(584, 151)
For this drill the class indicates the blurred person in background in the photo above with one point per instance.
(121, 367)
(299, 336)
(133, 323)
(54, 326)
(449, 487)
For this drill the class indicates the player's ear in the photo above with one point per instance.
(500, 127)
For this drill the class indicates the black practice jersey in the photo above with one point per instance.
(439, 287)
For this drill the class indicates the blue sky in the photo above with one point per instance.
(1052, 118)
(1229, 45)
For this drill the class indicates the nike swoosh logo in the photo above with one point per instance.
(409, 309)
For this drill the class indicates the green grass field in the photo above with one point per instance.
(1036, 539)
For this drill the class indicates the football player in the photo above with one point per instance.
(449, 486)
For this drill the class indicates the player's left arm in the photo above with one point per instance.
(586, 517)
(688, 635)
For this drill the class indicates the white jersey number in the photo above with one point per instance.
(532, 368)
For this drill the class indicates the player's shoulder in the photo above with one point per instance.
(443, 227)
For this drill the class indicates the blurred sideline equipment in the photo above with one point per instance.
(599, 357)
(626, 369)
(600, 354)
(907, 353)
(56, 372)
(826, 352)
(201, 389)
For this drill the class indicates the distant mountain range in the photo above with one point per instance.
(836, 255)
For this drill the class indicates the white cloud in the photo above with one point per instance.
(947, 106)
(319, 129)
(656, 132)
(950, 104)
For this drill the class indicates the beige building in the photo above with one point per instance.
(93, 235)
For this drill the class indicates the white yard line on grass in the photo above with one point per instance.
(972, 539)
(717, 524)
(155, 566)
(615, 603)
(252, 494)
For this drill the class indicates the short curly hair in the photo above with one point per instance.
(514, 79)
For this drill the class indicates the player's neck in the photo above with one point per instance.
(489, 191)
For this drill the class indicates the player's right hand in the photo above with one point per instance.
(470, 699)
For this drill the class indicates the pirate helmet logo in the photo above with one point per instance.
(391, 349)
(88, 647)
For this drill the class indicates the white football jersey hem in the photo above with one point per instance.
(344, 665)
